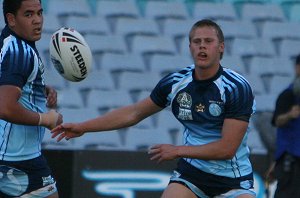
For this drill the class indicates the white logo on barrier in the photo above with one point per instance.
(125, 183)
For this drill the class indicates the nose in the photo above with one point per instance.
(38, 19)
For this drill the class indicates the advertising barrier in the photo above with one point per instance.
(119, 174)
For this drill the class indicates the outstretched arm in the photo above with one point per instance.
(120, 118)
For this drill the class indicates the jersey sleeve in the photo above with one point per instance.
(16, 66)
(239, 100)
(159, 94)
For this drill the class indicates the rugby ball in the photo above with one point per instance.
(70, 54)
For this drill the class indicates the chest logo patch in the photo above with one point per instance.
(185, 103)
(215, 109)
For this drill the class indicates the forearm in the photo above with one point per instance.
(19, 115)
(211, 151)
(116, 119)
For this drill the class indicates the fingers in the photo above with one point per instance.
(156, 153)
(51, 97)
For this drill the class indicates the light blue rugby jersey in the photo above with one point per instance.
(21, 66)
(202, 106)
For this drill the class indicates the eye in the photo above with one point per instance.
(28, 14)
(40, 13)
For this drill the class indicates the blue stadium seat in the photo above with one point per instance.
(294, 14)
(137, 81)
(88, 25)
(51, 23)
(289, 48)
(262, 12)
(113, 62)
(96, 79)
(65, 8)
(152, 45)
(256, 83)
(163, 64)
(215, 11)
(69, 98)
(133, 26)
(142, 139)
(279, 83)
(54, 79)
(281, 30)
(161, 10)
(253, 47)
(254, 141)
(235, 63)
(117, 9)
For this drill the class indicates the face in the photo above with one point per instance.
(205, 47)
(28, 21)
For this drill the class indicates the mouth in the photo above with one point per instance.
(37, 30)
(202, 56)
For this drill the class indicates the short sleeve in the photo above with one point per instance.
(159, 94)
(239, 100)
(16, 66)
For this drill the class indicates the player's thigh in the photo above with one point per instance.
(54, 195)
(177, 190)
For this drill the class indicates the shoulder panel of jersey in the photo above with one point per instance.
(19, 62)
(167, 87)
(239, 93)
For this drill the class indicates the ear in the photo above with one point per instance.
(11, 19)
(222, 47)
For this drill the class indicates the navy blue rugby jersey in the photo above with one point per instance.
(202, 105)
(21, 66)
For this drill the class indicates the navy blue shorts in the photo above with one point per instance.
(211, 185)
(21, 177)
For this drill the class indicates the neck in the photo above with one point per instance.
(204, 73)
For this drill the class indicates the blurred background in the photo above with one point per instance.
(134, 44)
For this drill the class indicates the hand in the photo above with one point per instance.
(50, 119)
(51, 97)
(163, 152)
(67, 131)
(294, 112)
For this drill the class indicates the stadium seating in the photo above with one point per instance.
(234, 62)
(97, 79)
(262, 12)
(289, 48)
(215, 11)
(88, 25)
(252, 47)
(294, 14)
(152, 45)
(136, 42)
(142, 139)
(66, 8)
(112, 10)
(163, 64)
(137, 81)
(135, 26)
(51, 23)
(69, 98)
(106, 100)
(113, 62)
(161, 10)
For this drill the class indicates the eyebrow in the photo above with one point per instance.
(32, 11)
